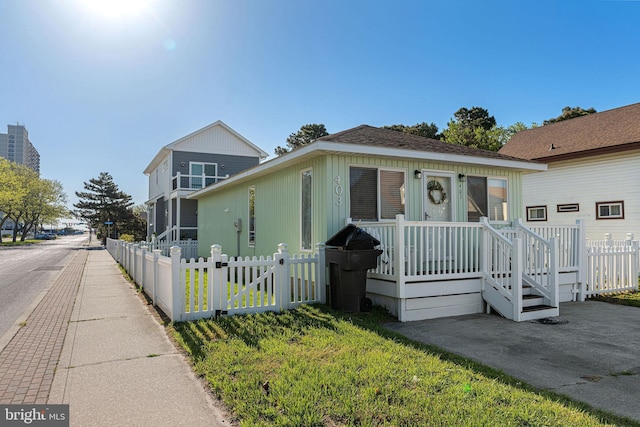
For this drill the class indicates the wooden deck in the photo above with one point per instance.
(448, 269)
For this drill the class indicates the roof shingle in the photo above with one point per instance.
(581, 136)
(380, 137)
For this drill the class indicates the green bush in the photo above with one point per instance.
(127, 238)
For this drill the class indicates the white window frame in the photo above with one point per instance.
(203, 176)
(487, 178)
(378, 198)
(531, 209)
(619, 203)
(302, 174)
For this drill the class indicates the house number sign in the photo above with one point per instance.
(338, 190)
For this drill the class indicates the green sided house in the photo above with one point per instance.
(445, 215)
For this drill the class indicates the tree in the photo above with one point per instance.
(28, 200)
(306, 134)
(137, 227)
(45, 203)
(428, 130)
(570, 113)
(474, 128)
(10, 191)
(103, 202)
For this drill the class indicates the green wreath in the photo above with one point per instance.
(436, 186)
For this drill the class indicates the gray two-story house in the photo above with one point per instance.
(191, 163)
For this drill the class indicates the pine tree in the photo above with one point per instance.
(102, 203)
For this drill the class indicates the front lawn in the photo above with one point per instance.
(624, 298)
(316, 367)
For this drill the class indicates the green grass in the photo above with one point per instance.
(19, 243)
(624, 298)
(251, 298)
(316, 367)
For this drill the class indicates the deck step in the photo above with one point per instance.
(538, 312)
(532, 301)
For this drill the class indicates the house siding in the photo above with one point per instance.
(586, 181)
(338, 166)
(278, 204)
(160, 178)
(217, 140)
(277, 213)
(227, 164)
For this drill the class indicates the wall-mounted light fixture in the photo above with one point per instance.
(462, 177)
(417, 174)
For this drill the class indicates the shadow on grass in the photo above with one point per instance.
(376, 320)
(289, 325)
(623, 298)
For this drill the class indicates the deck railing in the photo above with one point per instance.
(189, 248)
(502, 267)
(194, 182)
(541, 261)
(431, 251)
(437, 249)
(570, 242)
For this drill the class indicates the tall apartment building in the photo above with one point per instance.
(15, 146)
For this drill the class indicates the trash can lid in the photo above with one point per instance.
(340, 238)
(351, 237)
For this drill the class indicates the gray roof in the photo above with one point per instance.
(371, 136)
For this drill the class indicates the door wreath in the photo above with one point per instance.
(436, 193)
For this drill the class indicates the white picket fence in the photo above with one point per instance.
(222, 285)
(612, 265)
(189, 248)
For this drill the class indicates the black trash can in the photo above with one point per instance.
(351, 253)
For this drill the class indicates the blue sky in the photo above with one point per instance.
(105, 89)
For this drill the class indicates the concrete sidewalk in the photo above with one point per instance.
(589, 353)
(117, 366)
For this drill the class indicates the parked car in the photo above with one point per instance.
(44, 236)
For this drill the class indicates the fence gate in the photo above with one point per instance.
(246, 285)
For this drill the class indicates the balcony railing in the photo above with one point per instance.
(194, 182)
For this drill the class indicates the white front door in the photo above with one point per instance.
(439, 196)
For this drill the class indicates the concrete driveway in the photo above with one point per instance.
(591, 352)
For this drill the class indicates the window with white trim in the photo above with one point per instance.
(252, 216)
(610, 210)
(306, 210)
(376, 194)
(487, 197)
(536, 213)
(202, 174)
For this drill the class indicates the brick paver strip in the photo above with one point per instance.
(28, 362)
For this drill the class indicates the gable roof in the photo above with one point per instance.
(172, 146)
(371, 136)
(593, 134)
(370, 141)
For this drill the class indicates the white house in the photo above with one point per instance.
(593, 172)
(190, 163)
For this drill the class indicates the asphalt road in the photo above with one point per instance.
(26, 272)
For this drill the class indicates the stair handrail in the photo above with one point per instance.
(500, 259)
(541, 262)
